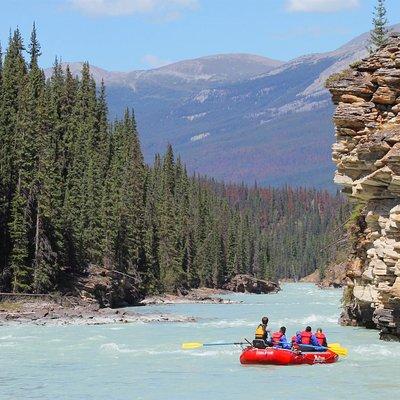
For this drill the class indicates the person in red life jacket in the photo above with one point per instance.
(307, 337)
(295, 346)
(295, 337)
(279, 339)
(321, 338)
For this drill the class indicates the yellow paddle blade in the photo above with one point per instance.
(191, 346)
(339, 350)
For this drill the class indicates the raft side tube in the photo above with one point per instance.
(276, 356)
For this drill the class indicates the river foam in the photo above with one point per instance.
(145, 360)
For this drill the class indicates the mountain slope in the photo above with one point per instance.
(239, 117)
(216, 68)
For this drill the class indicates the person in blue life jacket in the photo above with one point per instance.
(279, 339)
(307, 337)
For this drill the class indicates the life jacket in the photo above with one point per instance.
(321, 338)
(305, 337)
(276, 337)
(260, 332)
(294, 339)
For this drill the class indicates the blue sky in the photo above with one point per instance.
(139, 34)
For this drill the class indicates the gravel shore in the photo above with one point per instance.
(48, 312)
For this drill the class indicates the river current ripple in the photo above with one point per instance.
(144, 361)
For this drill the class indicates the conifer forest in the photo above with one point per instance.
(75, 192)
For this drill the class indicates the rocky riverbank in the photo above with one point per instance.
(72, 311)
(201, 295)
(90, 308)
(238, 284)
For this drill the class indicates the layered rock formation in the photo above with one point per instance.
(367, 155)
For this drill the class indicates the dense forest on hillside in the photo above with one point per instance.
(75, 192)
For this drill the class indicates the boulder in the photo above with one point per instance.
(384, 95)
(334, 275)
(314, 277)
(109, 288)
(249, 284)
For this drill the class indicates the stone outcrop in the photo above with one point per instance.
(249, 284)
(367, 155)
(109, 288)
(334, 276)
(193, 296)
(314, 277)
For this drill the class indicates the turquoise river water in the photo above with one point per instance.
(144, 361)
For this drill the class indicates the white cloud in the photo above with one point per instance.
(154, 61)
(114, 8)
(321, 5)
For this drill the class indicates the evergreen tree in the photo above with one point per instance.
(34, 49)
(123, 208)
(378, 35)
(74, 191)
(49, 247)
(13, 80)
(3, 221)
(79, 189)
(24, 204)
(171, 273)
(151, 236)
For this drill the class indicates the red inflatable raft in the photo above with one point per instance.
(275, 356)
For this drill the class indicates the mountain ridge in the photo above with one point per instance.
(185, 68)
(269, 123)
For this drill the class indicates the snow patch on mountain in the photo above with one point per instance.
(194, 116)
(200, 136)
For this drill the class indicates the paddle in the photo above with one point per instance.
(338, 349)
(196, 345)
(335, 347)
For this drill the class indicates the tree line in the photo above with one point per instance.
(75, 192)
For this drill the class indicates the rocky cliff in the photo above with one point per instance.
(367, 155)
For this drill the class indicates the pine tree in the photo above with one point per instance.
(24, 203)
(1, 65)
(74, 191)
(133, 195)
(171, 273)
(219, 261)
(81, 137)
(3, 223)
(122, 206)
(49, 249)
(378, 36)
(231, 243)
(13, 80)
(97, 143)
(151, 236)
(34, 49)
